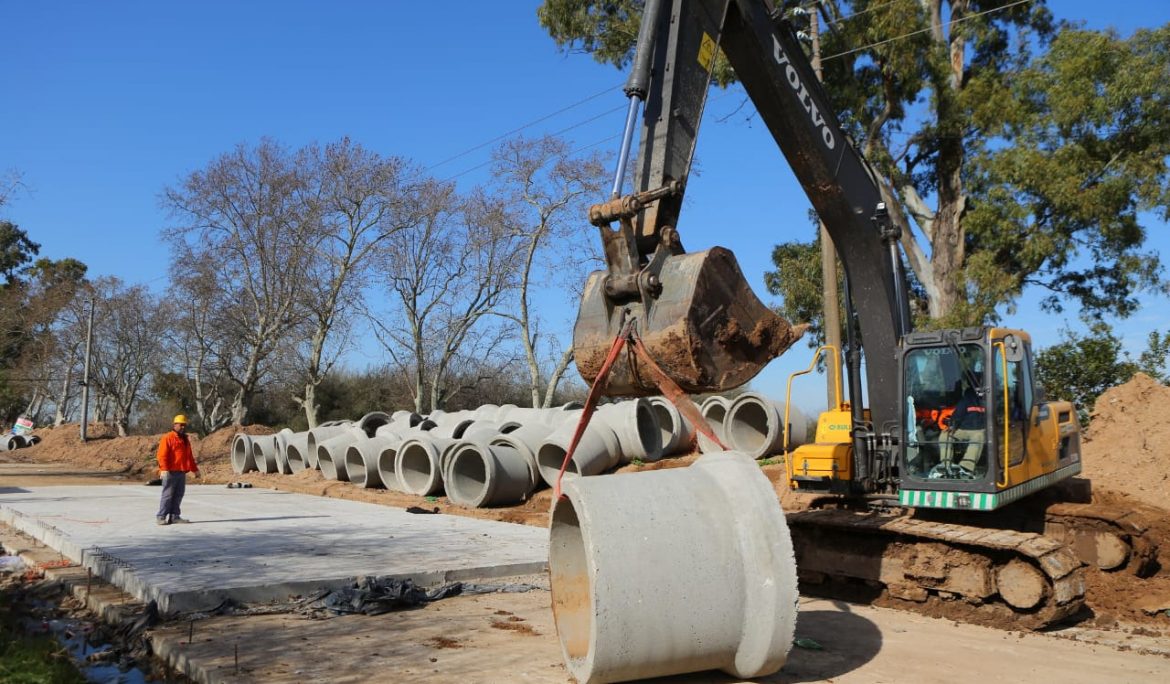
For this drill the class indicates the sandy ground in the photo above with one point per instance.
(1125, 638)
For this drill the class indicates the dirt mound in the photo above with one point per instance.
(1126, 448)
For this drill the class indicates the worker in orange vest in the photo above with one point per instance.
(175, 460)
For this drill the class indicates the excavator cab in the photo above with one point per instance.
(977, 432)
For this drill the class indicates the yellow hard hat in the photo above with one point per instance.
(180, 419)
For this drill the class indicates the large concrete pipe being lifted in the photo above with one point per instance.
(418, 465)
(243, 460)
(728, 601)
(294, 451)
(636, 428)
(678, 435)
(331, 453)
(714, 409)
(480, 475)
(598, 451)
(264, 453)
(755, 425)
(317, 435)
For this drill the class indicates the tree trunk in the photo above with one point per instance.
(309, 403)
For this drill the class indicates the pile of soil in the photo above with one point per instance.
(133, 456)
(1126, 448)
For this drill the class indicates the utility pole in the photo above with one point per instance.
(829, 294)
(85, 375)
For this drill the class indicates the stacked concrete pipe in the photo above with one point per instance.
(479, 474)
(317, 435)
(294, 451)
(755, 425)
(714, 409)
(264, 453)
(331, 452)
(418, 464)
(282, 438)
(387, 443)
(243, 459)
(636, 428)
(362, 458)
(678, 435)
(728, 603)
(526, 442)
(598, 450)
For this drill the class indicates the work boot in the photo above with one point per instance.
(162, 521)
(177, 519)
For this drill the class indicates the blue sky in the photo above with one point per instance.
(107, 103)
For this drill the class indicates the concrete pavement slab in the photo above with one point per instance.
(260, 544)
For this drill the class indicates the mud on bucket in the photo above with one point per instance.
(707, 329)
(698, 575)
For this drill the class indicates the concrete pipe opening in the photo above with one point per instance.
(714, 409)
(549, 459)
(355, 466)
(468, 475)
(729, 603)
(417, 467)
(243, 460)
(296, 460)
(572, 590)
(387, 457)
(667, 425)
(753, 427)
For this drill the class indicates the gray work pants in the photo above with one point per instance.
(173, 487)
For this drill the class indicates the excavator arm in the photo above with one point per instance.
(678, 42)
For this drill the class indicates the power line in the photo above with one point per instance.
(920, 31)
(526, 126)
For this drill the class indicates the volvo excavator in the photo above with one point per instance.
(929, 486)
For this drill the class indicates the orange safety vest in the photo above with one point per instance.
(174, 454)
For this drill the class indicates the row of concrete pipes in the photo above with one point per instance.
(14, 442)
(499, 455)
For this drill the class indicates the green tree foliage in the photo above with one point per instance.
(16, 252)
(1083, 365)
(1013, 151)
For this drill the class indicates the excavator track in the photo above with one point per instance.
(1104, 537)
(1022, 579)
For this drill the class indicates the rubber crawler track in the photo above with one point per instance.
(840, 545)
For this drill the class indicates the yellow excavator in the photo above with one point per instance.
(922, 481)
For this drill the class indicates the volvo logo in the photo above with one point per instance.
(802, 95)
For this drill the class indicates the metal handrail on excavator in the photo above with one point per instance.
(1006, 415)
(788, 394)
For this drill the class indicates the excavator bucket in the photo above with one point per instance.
(707, 330)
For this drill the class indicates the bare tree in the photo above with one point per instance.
(447, 272)
(361, 199)
(547, 190)
(249, 214)
(196, 341)
(127, 346)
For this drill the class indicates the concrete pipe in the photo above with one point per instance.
(481, 475)
(316, 436)
(373, 420)
(34, 440)
(678, 435)
(264, 453)
(714, 409)
(14, 442)
(418, 465)
(331, 453)
(243, 460)
(597, 452)
(728, 603)
(294, 451)
(526, 441)
(755, 425)
(636, 428)
(387, 448)
(361, 460)
(281, 439)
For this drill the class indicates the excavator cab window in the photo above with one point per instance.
(946, 421)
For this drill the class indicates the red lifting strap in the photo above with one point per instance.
(668, 387)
